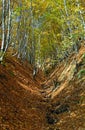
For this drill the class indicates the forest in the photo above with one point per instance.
(41, 31)
(42, 65)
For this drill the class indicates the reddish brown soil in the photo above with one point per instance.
(34, 104)
(70, 95)
(22, 106)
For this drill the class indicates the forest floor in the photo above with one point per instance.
(53, 103)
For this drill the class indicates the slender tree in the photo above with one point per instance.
(6, 20)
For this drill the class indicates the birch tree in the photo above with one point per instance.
(80, 16)
(5, 34)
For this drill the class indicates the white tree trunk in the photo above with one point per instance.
(3, 24)
(68, 22)
(9, 26)
(5, 43)
(33, 37)
(3, 30)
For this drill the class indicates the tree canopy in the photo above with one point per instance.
(40, 31)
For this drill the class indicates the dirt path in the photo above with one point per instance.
(27, 104)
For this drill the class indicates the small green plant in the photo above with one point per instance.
(81, 73)
(3, 63)
(11, 73)
(83, 55)
(82, 99)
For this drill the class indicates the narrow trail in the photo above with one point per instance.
(53, 103)
(22, 106)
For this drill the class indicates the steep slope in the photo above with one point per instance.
(66, 92)
(22, 106)
(53, 103)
